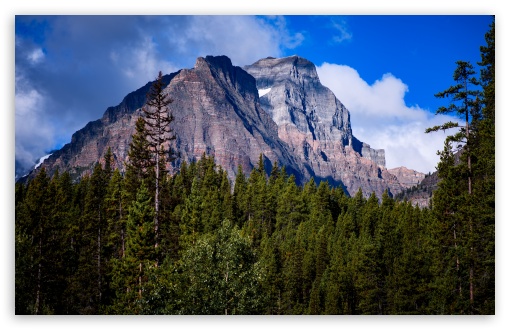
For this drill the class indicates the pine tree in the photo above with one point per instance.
(130, 274)
(116, 211)
(191, 224)
(465, 102)
(157, 122)
(448, 203)
(37, 225)
(43, 255)
(484, 172)
(63, 216)
(239, 197)
(108, 165)
(139, 166)
(88, 282)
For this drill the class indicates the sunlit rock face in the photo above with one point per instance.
(274, 107)
(317, 128)
(407, 177)
(217, 112)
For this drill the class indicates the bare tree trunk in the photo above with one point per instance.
(279, 301)
(122, 238)
(471, 288)
(39, 272)
(156, 217)
(471, 270)
(226, 297)
(140, 282)
(468, 152)
(99, 261)
(123, 243)
(457, 257)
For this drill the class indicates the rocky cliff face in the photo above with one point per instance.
(421, 194)
(216, 112)
(317, 128)
(407, 178)
(89, 144)
(276, 107)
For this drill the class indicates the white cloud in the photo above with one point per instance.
(142, 62)
(286, 39)
(34, 133)
(36, 56)
(171, 43)
(380, 117)
(341, 27)
(244, 39)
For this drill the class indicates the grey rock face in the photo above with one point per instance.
(218, 111)
(376, 155)
(408, 178)
(317, 128)
(297, 98)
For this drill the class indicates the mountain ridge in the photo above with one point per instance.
(298, 123)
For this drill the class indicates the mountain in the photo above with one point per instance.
(317, 128)
(408, 178)
(276, 107)
(421, 193)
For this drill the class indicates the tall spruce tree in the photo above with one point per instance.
(484, 172)
(459, 204)
(130, 273)
(138, 165)
(157, 121)
(465, 103)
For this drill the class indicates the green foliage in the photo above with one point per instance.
(219, 275)
(463, 205)
(130, 273)
(325, 254)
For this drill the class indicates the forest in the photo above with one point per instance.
(147, 242)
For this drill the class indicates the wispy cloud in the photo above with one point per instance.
(36, 56)
(342, 31)
(381, 118)
(283, 35)
(34, 133)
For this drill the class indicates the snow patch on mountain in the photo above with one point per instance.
(43, 158)
(264, 91)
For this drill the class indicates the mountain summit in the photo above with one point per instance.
(275, 107)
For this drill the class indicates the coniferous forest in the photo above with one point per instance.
(147, 242)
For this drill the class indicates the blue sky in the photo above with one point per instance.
(385, 69)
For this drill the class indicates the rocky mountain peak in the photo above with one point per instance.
(407, 177)
(270, 71)
(275, 107)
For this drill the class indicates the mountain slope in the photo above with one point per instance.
(316, 126)
(218, 111)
